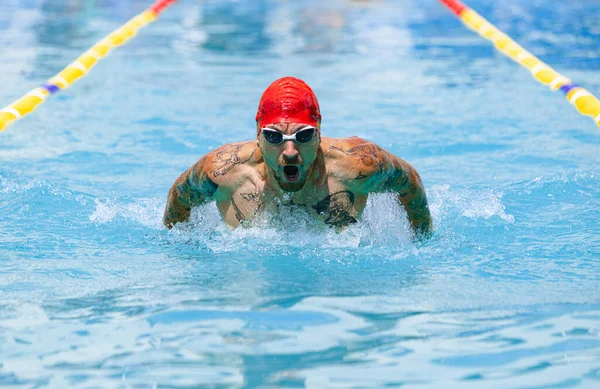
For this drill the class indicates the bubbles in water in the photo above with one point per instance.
(20, 186)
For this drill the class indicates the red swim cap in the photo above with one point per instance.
(288, 100)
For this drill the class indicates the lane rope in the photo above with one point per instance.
(81, 66)
(584, 101)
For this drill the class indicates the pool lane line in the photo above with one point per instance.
(81, 66)
(585, 102)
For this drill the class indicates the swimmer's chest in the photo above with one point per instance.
(335, 204)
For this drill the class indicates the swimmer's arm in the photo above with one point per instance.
(193, 187)
(403, 179)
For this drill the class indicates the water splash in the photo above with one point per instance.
(447, 203)
(383, 224)
(146, 212)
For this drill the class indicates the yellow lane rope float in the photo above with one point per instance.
(585, 102)
(81, 66)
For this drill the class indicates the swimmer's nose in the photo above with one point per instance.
(290, 153)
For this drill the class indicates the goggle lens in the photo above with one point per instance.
(275, 137)
(304, 136)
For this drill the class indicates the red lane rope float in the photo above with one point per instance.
(455, 6)
(585, 102)
(159, 6)
(81, 66)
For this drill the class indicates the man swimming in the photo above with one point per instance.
(291, 163)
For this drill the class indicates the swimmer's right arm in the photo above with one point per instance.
(193, 187)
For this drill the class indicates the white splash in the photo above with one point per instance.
(12, 186)
(147, 212)
(383, 223)
(446, 202)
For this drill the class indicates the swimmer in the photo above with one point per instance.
(290, 163)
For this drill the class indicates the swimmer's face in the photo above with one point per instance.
(289, 160)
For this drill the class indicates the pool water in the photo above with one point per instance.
(95, 293)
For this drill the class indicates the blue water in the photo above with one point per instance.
(95, 293)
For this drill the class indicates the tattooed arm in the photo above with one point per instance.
(369, 168)
(372, 169)
(404, 180)
(193, 187)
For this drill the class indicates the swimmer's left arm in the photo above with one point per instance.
(402, 178)
(369, 168)
(389, 173)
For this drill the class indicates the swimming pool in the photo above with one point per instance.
(96, 293)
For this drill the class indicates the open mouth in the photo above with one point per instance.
(291, 173)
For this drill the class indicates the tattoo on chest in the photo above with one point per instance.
(238, 212)
(336, 208)
(255, 201)
(366, 153)
(251, 197)
(227, 158)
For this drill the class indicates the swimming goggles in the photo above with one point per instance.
(303, 135)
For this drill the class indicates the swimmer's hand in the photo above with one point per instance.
(175, 211)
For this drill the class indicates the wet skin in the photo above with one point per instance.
(330, 176)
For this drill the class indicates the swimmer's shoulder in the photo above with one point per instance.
(352, 149)
(227, 162)
(343, 143)
(356, 161)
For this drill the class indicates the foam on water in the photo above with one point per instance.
(383, 223)
(144, 212)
